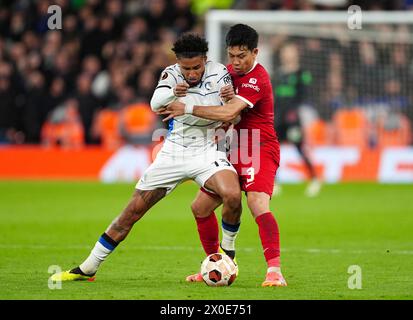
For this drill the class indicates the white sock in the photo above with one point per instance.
(98, 254)
(229, 234)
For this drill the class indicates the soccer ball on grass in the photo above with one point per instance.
(218, 270)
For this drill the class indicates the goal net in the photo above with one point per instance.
(357, 83)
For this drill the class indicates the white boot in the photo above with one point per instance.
(313, 188)
(277, 190)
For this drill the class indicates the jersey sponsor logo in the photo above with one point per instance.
(249, 85)
(252, 81)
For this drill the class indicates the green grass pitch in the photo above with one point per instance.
(57, 223)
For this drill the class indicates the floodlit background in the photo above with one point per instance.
(74, 112)
(86, 86)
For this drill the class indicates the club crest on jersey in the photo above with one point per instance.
(252, 81)
(227, 80)
(164, 75)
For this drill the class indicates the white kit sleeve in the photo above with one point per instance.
(164, 93)
(162, 97)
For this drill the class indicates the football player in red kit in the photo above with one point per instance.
(256, 156)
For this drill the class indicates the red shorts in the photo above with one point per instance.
(257, 172)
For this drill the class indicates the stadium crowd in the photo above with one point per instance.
(109, 55)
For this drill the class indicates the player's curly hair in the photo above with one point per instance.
(242, 35)
(190, 45)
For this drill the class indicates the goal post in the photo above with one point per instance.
(218, 22)
(369, 68)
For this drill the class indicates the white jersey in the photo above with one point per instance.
(188, 132)
(189, 151)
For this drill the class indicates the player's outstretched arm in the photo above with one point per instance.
(225, 113)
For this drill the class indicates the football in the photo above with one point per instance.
(218, 270)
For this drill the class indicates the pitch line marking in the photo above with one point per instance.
(194, 248)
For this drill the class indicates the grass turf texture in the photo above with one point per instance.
(57, 223)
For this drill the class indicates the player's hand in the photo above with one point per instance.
(160, 111)
(173, 110)
(224, 126)
(181, 89)
(227, 93)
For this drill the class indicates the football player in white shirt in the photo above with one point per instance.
(189, 153)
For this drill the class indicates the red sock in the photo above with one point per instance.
(270, 238)
(209, 233)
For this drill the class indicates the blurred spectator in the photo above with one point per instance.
(399, 68)
(103, 47)
(55, 96)
(8, 110)
(91, 66)
(146, 84)
(17, 26)
(40, 23)
(368, 71)
(31, 41)
(126, 96)
(114, 9)
(333, 96)
(4, 21)
(63, 67)
(182, 19)
(88, 104)
(90, 37)
(63, 127)
(314, 55)
(33, 110)
(291, 83)
(136, 123)
(156, 14)
(110, 50)
(70, 27)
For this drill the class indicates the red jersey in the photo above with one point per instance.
(255, 89)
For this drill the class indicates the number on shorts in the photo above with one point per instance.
(251, 172)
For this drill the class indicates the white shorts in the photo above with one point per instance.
(168, 171)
